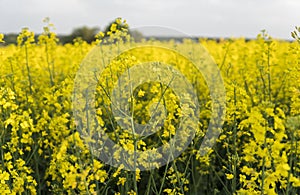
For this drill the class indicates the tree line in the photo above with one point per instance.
(85, 33)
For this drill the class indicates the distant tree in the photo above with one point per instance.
(86, 33)
(10, 38)
(136, 35)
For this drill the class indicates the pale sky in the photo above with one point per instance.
(211, 18)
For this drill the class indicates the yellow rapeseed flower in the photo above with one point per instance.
(1, 38)
(121, 181)
(141, 93)
(229, 176)
(7, 156)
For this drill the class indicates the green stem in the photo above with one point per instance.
(234, 144)
(28, 69)
(269, 74)
(49, 69)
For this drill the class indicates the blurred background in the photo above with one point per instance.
(199, 18)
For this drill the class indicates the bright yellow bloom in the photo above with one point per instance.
(1, 38)
(121, 181)
(7, 156)
(141, 93)
(131, 192)
(229, 176)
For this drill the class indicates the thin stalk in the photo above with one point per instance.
(49, 69)
(225, 56)
(134, 138)
(149, 184)
(225, 187)
(235, 155)
(269, 74)
(81, 169)
(163, 179)
(264, 164)
(12, 76)
(28, 69)
(178, 178)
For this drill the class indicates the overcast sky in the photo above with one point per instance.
(213, 18)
